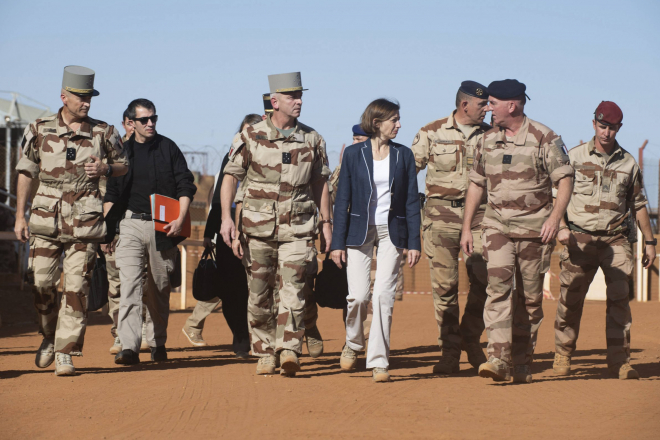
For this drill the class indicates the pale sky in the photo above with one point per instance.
(205, 64)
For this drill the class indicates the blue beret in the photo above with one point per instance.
(473, 88)
(357, 131)
(507, 89)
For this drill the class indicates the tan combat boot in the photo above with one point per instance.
(289, 363)
(475, 354)
(496, 369)
(314, 342)
(380, 375)
(624, 371)
(522, 374)
(348, 358)
(195, 338)
(447, 365)
(562, 365)
(64, 365)
(266, 364)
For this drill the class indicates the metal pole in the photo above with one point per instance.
(8, 156)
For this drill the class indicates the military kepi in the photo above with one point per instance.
(79, 80)
(357, 130)
(473, 88)
(608, 113)
(268, 106)
(285, 82)
(507, 89)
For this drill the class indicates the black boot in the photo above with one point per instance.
(158, 353)
(127, 357)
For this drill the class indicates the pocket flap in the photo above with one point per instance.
(307, 207)
(579, 177)
(257, 205)
(444, 148)
(44, 203)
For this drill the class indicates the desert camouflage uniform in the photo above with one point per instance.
(519, 174)
(278, 220)
(449, 155)
(604, 190)
(67, 217)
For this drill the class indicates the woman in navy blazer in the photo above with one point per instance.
(377, 204)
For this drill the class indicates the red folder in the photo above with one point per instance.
(165, 210)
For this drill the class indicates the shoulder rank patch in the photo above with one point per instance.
(50, 130)
(561, 147)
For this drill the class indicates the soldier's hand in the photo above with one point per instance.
(326, 237)
(21, 229)
(413, 257)
(467, 243)
(549, 230)
(566, 237)
(338, 256)
(95, 168)
(208, 243)
(237, 247)
(107, 248)
(174, 228)
(228, 231)
(649, 256)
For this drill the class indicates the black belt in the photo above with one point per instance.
(141, 216)
(576, 228)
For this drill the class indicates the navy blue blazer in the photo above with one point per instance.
(351, 211)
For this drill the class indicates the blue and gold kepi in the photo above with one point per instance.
(79, 80)
(268, 106)
(473, 88)
(285, 82)
(507, 89)
(357, 131)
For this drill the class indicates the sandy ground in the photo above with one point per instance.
(207, 393)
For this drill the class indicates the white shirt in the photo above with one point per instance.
(379, 204)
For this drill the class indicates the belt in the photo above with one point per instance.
(576, 228)
(441, 202)
(140, 216)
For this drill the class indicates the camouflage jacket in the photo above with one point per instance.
(103, 181)
(68, 204)
(604, 189)
(519, 174)
(333, 184)
(278, 202)
(449, 155)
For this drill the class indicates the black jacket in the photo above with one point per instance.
(167, 167)
(214, 220)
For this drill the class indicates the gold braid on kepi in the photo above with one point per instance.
(79, 80)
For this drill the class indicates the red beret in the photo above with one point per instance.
(608, 113)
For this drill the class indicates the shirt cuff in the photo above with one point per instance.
(478, 179)
(561, 172)
(27, 167)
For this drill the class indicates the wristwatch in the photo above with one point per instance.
(654, 242)
(109, 172)
(325, 221)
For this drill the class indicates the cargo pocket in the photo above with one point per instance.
(88, 219)
(258, 217)
(43, 217)
(546, 254)
(445, 156)
(622, 186)
(303, 218)
(583, 184)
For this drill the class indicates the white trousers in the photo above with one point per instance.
(358, 268)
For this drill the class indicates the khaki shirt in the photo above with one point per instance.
(103, 181)
(519, 174)
(278, 202)
(449, 156)
(68, 204)
(604, 190)
(333, 184)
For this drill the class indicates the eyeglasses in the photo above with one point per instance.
(146, 119)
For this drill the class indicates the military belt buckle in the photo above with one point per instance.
(457, 203)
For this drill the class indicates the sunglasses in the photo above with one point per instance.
(146, 119)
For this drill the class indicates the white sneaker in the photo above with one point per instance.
(64, 365)
(116, 347)
(45, 354)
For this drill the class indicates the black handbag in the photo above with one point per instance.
(175, 276)
(206, 280)
(98, 289)
(331, 288)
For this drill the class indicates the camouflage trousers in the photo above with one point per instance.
(579, 264)
(278, 326)
(513, 312)
(65, 326)
(442, 244)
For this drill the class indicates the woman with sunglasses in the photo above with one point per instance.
(376, 205)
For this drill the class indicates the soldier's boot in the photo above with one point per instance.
(562, 365)
(496, 369)
(159, 354)
(289, 363)
(475, 354)
(45, 354)
(624, 371)
(144, 345)
(314, 342)
(348, 358)
(266, 365)
(116, 346)
(380, 375)
(446, 365)
(522, 374)
(127, 357)
(195, 338)
(64, 365)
